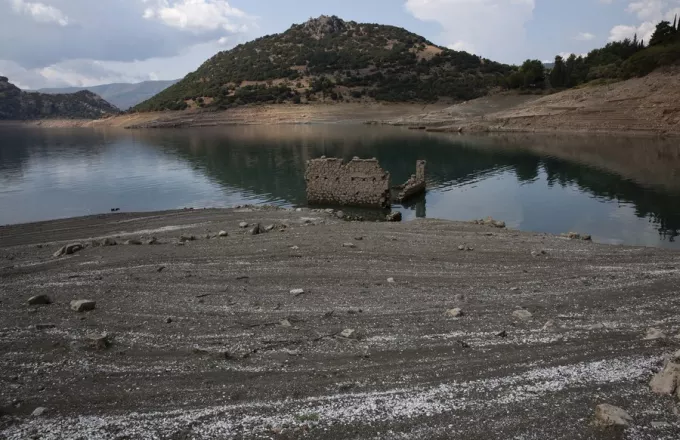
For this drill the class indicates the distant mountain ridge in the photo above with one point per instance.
(122, 95)
(332, 60)
(16, 104)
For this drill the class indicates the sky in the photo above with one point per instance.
(56, 43)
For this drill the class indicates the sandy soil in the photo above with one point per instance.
(649, 105)
(265, 114)
(227, 365)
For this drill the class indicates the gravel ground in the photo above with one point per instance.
(210, 339)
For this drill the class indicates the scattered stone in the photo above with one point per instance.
(133, 242)
(660, 425)
(255, 230)
(340, 215)
(502, 334)
(514, 289)
(461, 247)
(109, 242)
(297, 292)
(223, 234)
(285, 323)
(100, 342)
(391, 280)
(39, 300)
(243, 225)
(152, 241)
(653, 334)
(349, 245)
(455, 313)
(667, 381)
(577, 236)
(329, 211)
(609, 415)
(185, 238)
(538, 253)
(394, 216)
(489, 221)
(549, 325)
(168, 320)
(44, 326)
(359, 238)
(269, 228)
(83, 305)
(349, 333)
(522, 314)
(463, 343)
(39, 411)
(69, 249)
(295, 248)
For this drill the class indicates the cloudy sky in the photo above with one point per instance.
(52, 43)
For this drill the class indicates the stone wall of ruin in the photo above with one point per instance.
(360, 182)
(415, 185)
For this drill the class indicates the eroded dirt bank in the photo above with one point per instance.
(210, 339)
(649, 105)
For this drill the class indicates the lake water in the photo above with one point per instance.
(619, 190)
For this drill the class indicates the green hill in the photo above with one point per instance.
(122, 95)
(19, 105)
(328, 59)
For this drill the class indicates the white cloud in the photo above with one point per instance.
(650, 13)
(40, 12)
(197, 15)
(490, 28)
(584, 36)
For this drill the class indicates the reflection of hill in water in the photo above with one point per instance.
(271, 160)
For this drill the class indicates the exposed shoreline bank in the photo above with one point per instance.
(212, 338)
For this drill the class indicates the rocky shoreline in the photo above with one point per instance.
(274, 323)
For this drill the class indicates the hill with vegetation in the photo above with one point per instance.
(122, 95)
(328, 59)
(16, 104)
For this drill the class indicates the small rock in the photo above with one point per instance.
(349, 245)
(69, 249)
(223, 234)
(340, 215)
(522, 314)
(109, 242)
(538, 253)
(44, 326)
(83, 305)
(133, 242)
(329, 211)
(100, 342)
(243, 225)
(255, 230)
(549, 325)
(39, 411)
(394, 216)
(653, 334)
(297, 292)
(295, 248)
(298, 210)
(609, 415)
(514, 289)
(269, 228)
(502, 334)
(455, 313)
(285, 323)
(391, 280)
(461, 247)
(168, 320)
(152, 241)
(667, 381)
(660, 425)
(185, 238)
(348, 333)
(359, 238)
(39, 300)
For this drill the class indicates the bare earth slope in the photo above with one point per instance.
(227, 365)
(643, 105)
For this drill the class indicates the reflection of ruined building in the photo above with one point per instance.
(360, 182)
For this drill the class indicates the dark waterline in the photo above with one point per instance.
(620, 190)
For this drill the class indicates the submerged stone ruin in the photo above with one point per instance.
(359, 182)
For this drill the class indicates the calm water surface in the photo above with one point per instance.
(618, 190)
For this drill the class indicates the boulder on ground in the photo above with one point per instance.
(243, 225)
(654, 333)
(255, 230)
(522, 314)
(666, 381)
(394, 216)
(297, 292)
(269, 228)
(83, 305)
(109, 242)
(349, 245)
(223, 234)
(39, 300)
(100, 342)
(69, 249)
(39, 411)
(455, 313)
(285, 323)
(349, 333)
(133, 242)
(185, 238)
(610, 415)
